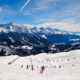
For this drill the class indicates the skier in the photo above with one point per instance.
(27, 67)
(32, 67)
(22, 66)
(9, 63)
(42, 69)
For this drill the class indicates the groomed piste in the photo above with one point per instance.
(60, 66)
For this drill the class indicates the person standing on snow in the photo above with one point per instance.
(42, 69)
(27, 67)
(32, 67)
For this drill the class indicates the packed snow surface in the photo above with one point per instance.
(60, 66)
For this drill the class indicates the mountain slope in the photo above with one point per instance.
(57, 36)
(12, 36)
(16, 39)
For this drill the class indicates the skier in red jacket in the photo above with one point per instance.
(42, 69)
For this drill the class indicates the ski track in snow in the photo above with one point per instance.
(69, 62)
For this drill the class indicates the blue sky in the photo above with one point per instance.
(40, 11)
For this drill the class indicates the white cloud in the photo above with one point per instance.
(69, 13)
(26, 13)
(43, 4)
(1, 14)
(0, 9)
(62, 26)
(24, 5)
(44, 20)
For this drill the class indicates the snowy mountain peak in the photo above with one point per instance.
(12, 23)
(12, 27)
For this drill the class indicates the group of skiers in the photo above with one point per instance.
(41, 71)
(31, 67)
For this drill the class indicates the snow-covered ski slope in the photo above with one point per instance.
(60, 66)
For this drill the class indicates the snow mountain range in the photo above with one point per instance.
(34, 40)
(57, 36)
